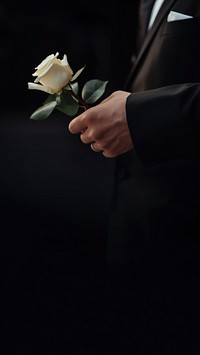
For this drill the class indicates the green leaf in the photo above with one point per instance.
(75, 76)
(44, 111)
(93, 90)
(68, 104)
(50, 98)
(75, 87)
(72, 87)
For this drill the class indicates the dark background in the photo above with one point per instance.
(54, 191)
(98, 34)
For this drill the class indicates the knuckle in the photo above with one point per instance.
(86, 138)
(104, 145)
(90, 113)
(91, 135)
(83, 138)
(108, 147)
(108, 154)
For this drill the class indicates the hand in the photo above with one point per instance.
(105, 126)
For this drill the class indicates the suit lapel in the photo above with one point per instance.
(150, 36)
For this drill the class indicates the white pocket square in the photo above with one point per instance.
(177, 16)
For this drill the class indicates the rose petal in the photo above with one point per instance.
(56, 78)
(33, 86)
(64, 60)
(46, 60)
(46, 63)
(43, 73)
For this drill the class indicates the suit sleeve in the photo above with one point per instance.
(165, 123)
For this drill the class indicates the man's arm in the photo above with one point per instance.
(157, 123)
(165, 123)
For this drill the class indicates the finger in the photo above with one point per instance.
(107, 154)
(78, 124)
(95, 147)
(85, 137)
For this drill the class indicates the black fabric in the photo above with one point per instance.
(145, 9)
(154, 245)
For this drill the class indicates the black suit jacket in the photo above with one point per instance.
(155, 212)
(170, 52)
(154, 240)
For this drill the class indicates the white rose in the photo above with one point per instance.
(53, 74)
